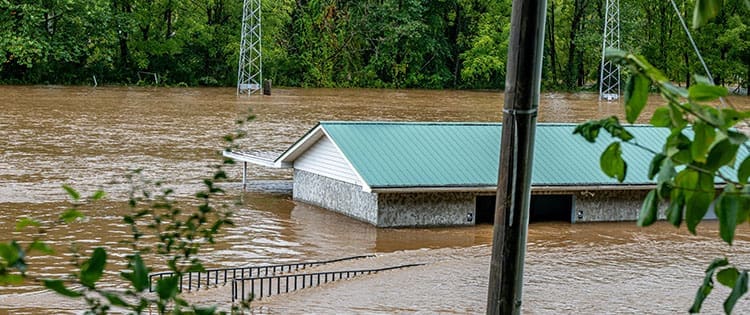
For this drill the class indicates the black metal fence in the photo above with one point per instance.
(220, 276)
(258, 287)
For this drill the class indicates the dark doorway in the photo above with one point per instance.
(543, 208)
(485, 209)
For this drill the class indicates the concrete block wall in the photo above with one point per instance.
(600, 206)
(345, 198)
(447, 208)
(426, 209)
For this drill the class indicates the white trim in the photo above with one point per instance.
(254, 159)
(299, 147)
(365, 187)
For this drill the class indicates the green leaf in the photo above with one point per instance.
(11, 279)
(10, 252)
(93, 268)
(655, 165)
(661, 117)
(677, 116)
(72, 193)
(705, 93)
(744, 171)
(670, 88)
(615, 54)
(612, 125)
(588, 130)
(678, 148)
(636, 95)
(99, 194)
(708, 284)
(704, 11)
(728, 276)
(612, 163)
(740, 288)
(649, 209)
(25, 222)
(196, 266)
(139, 275)
(722, 153)
(704, 137)
(204, 310)
(676, 208)
(71, 215)
(697, 203)
(728, 207)
(58, 286)
(168, 287)
(40, 246)
(731, 117)
(115, 299)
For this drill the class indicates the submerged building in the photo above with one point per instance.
(394, 174)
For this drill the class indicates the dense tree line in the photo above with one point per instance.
(345, 43)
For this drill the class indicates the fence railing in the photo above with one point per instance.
(220, 276)
(258, 287)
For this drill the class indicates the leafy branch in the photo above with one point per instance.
(702, 145)
(179, 235)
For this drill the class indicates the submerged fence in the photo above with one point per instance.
(217, 276)
(258, 287)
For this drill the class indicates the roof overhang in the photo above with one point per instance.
(491, 189)
(255, 159)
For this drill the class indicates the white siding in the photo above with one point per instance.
(323, 158)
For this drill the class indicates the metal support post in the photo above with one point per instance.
(244, 176)
(523, 81)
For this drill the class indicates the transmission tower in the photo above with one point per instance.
(250, 70)
(609, 79)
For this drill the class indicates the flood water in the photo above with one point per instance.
(91, 138)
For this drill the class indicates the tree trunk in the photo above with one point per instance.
(552, 49)
(168, 19)
(575, 28)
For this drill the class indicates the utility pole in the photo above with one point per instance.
(250, 69)
(522, 84)
(609, 74)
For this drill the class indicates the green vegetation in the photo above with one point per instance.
(340, 43)
(702, 147)
(175, 236)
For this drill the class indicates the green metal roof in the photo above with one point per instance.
(408, 154)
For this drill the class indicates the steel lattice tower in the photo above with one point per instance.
(609, 79)
(250, 70)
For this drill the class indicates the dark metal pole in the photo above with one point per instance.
(522, 84)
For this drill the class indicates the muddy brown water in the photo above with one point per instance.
(91, 137)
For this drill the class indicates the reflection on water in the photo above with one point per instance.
(90, 138)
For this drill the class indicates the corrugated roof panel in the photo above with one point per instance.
(408, 154)
(418, 154)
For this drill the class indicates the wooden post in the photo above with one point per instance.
(522, 84)
(267, 87)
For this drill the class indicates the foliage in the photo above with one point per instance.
(344, 43)
(178, 235)
(701, 149)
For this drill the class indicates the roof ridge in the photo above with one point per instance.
(390, 122)
(449, 123)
